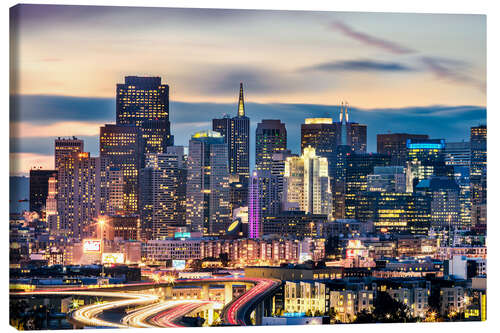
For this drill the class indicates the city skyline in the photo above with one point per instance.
(336, 57)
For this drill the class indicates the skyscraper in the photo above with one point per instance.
(478, 176)
(394, 144)
(236, 132)
(39, 188)
(121, 144)
(270, 138)
(163, 193)
(426, 158)
(66, 146)
(457, 153)
(307, 185)
(78, 202)
(263, 201)
(144, 102)
(323, 135)
(207, 192)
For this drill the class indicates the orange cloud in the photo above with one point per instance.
(64, 128)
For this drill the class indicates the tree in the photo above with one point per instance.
(386, 310)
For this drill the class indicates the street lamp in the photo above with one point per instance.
(101, 222)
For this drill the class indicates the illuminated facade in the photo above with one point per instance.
(307, 184)
(358, 167)
(390, 179)
(426, 157)
(207, 192)
(144, 102)
(66, 146)
(121, 144)
(263, 200)
(163, 193)
(270, 138)
(478, 176)
(236, 132)
(78, 202)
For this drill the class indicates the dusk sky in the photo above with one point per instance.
(416, 73)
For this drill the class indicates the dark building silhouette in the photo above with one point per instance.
(394, 144)
(39, 187)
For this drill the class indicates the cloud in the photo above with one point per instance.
(63, 128)
(451, 70)
(360, 66)
(21, 163)
(370, 40)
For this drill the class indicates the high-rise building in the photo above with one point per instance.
(457, 153)
(404, 213)
(358, 167)
(323, 135)
(51, 206)
(444, 194)
(307, 184)
(121, 144)
(207, 193)
(236, 132)
(79, 184)
(394, 144)
(394, 179)
(66, 146)
(278, 169)
(144, 102)
(426, 158)
(163, 193)
(270, 138)
(263, 200)
(478, 176)
(39, 188)
(112, 195)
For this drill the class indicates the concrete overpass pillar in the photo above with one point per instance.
(204, 291)
(228, 293)
(259, 313)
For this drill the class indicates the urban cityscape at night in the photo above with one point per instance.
(139, 201)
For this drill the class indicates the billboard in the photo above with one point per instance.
(113, 258)
(179, 264)
(91, 246)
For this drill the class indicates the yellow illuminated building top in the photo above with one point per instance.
(313, 121)
(206, 134)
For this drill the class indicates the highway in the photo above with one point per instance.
(162, 314)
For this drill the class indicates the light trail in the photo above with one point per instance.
(139, 318)
(169, 317)
(87, 315)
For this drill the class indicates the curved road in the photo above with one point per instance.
(235, 313)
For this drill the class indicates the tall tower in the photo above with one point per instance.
(66, 146)
(121, 144)
(270, 138)
(144, 102)
(207, 191)
(236, 132)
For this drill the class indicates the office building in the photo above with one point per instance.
(394, 145)
(207, 193)
(39, 188)
(270, 138)
(390, 179)
(121, 145)
(426, 158)
(444, 194)
(236, 132)
(79, 185)
(263, 200)
(144, 102)
(66, 146)
(163, 193)
(478, 176)
(457, 153)
(307, 184)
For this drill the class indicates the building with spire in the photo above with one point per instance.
(236, 132)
